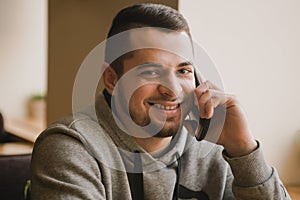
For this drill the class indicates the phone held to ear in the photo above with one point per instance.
(201, 131)
(196, 125)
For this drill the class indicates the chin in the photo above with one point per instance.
(167, 132)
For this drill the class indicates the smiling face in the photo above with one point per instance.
(166, 83)
(158, 84)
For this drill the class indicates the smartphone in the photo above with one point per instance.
(201, 132)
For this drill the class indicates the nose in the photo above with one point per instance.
(170, 87)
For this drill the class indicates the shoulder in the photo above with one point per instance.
(61, 139)
(69, 129)
(59, 143)
(58, 148)
(75, 137)
(60, 162)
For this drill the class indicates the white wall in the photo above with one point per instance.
(255, 45)
(23, 26)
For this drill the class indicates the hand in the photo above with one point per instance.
(235, 136)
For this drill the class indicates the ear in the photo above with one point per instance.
(110, 78)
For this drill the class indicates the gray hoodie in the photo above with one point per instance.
(88, 157)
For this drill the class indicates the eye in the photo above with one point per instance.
(149, 73)
(185, 71)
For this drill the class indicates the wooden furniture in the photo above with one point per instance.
(15, 148)
(294, 192)
(27, 128)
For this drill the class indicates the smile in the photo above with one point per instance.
(166, 107)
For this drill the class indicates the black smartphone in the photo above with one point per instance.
(204, 123)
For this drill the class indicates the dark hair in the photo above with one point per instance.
(143, 15)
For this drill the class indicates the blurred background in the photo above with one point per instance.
(254, 44)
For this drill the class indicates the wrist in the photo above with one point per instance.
(241, 149)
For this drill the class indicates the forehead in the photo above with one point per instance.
(177, 42)
(153, 56)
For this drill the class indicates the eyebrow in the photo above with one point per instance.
(185, 64)
(145, 65)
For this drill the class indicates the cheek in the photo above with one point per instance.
(139, 96)
(134, 100)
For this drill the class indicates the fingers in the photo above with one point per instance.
(209, 97)
(211, 85)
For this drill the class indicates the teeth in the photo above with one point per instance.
(165, 107)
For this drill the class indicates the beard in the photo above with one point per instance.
(170, 132)
(170, 128)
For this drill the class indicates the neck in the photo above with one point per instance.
(153, 144)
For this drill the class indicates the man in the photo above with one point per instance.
(138, 146)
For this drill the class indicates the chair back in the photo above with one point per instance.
(14, 173)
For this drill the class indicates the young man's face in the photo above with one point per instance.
(160, 84)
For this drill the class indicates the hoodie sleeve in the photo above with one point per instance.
(62, 169)
(254, 178)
